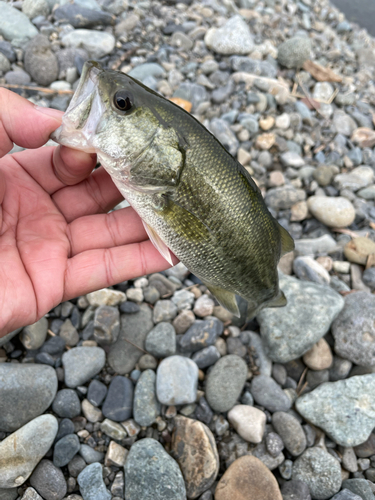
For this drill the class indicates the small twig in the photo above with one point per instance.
(300, 382)
(345, 231)
(333, 96)
(38, 89)
(50, 332)
(302, 388)
(311, 101)
(136, 346)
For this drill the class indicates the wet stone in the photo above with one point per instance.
(118, 404)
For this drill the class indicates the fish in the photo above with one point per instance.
(195, 200)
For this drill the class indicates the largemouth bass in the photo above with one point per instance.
(193, 197)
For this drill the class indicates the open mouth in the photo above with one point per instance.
(82, 117)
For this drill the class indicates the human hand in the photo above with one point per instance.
(56, 239)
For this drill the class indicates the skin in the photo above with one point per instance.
(56, 239)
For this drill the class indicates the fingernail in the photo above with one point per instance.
(54, 113)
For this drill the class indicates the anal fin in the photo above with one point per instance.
(225, 298)
(158, 243)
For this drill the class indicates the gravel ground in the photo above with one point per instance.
(150, 390)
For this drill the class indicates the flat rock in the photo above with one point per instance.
(97, 43)
(80, 17)
(161, 341)
(311, 309)
(82, 363)
(146, 407)
(177, 381)
(123, 354)
(345, 409)
(248, 478)
(21, 451)
(225, 382)
(152, 474)
(232, 38)
(194, 449)
(26, 391)
(354, 329)
(118, 404)
(359, 487)
(320, 471)
(249, 422)
(201, 334)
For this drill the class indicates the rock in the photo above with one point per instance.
(65, 449)
(21, 451)
(90, 455)
(194, 448)
(346, 494)
(255, 342)
(204, 306)
(308, 246)
(274, 444)
(81, 364)
(247, 478)
(105, 297)
(33, 336)
(320, 471)
(48, 481)
(294, 52)
(147, 69)
(180, 40)
(201, 334)
(106, 324)
(91, 484)
(34, 8)
(80, 17)
(26, 391)
(308, 269)
(96, 393)
(359, 249)
(151, 474)
(147, 362)
(91, 413)
(223, 133)
(40, 61)
(206, 357)
(183, 299)
(266, 392)
(295, 490)
(290, 431)
(97, 43)
(146, 407)
(69, 333)
(164, 310)
(360, 487)
(161, 341)
(113, 429)
(15, 25)
(358, 178)
(225, 382)
(12, 494)
(177, 381)
(366, 449)
(340, 369)
(183, 321)
(354, 329)
(311, 309)
(30, 494)
(249, 422)
(123, 355)
(66, 404)
(292, 159)
(343, 123)
(18, 77)
(116, 455)
(284, 197)
(344, 409)
(332, 211)
(323, 174)
(232, 38)
(118, 404)
(319, 357)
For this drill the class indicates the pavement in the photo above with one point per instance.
(361, 12)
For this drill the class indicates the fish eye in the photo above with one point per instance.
(123, 100)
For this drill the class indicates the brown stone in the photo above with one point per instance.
(194, 448)
(248, 479)
(359, 249)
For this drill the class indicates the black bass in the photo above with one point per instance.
(194, 198)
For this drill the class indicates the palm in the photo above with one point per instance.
(56, 239)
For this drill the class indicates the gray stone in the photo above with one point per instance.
(360, 487)
(151, 474)
(206, 357)
(66, 427)
(320, 471)
(123, 355)
(180, 40)
(21, 451)
(256, 343)
(223, 133)
(311, 309)
(294, 52)
(343, 123)
(34, 8)
(266, 392)
(284, 197)
(15, 25)
(225, 382)
(9, 494)
(31, 494)
(80, 17)
(161, 341)
(354, 329)
(18, 77)
(146, 407)
(202, 333)
(118, 404)
(346, 494)
(308, 269)
(340, 369)
(290, 431)
(97, 43)
(4, 64)
(349, 459)
(66, 404)
(82, 363)
(313, 246)
(292, 159)
(274, 444)
(65, 449)
(183, 299)
(358, 178)
(90, 455)
(48, 481)
(33, 336)
(91, 484)
(7, 50)
(76, 465)
(269, 460)
(147, 69)
(106, 325)
(26, 391)
(40, 61)
(96, 393)
(177, 381)
(232, 38)
(164, 310)
(295, 490)
(345, 410)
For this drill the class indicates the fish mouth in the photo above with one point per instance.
(81, 119)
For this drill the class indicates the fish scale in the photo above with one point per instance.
(194, 198)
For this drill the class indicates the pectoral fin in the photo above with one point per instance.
(158, 243)
(279, 301)
(225, 298)
(287, 243)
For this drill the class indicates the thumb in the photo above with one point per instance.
(2, 193)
